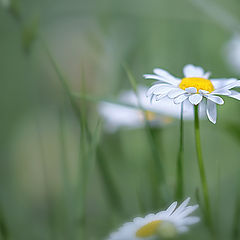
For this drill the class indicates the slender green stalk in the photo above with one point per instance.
(68, 207)
(236, 220)
(3, 227)
(85, 139)
(201, 169)
(65, 86)
(156, 169)
(111, 189)
(180, 182)
(49, 206)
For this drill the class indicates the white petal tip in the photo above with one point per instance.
(214, 122)
(196, 206)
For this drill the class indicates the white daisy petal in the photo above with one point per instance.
(181, 207)
(171, 208)
(215, 99)
(207, 75)
(188, 210)
(166, 75)
(152, 76)
(231, 85)
(159, 97)
(138, 220)
(161, 214)
(191, 220)
(158, 89)
(221, 92)
(203, 92)
(191, 90)
(193, 71)
(156, 77)
(235, 94)
(195, 99)
(211, 111)
(180, 98)
(219, 83)
(176, 92)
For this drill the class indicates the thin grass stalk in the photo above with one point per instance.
(87, 166)
(157, 176)
(67, 193)
(156, 172)
(180, 181)
(65, 86)
(83, 171)
(4, 231)
(14, 10)
(110, 187)
(85, 138)
(236, 220)
(207, 209)
(49, 206)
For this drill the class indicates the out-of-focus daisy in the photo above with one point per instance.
(164, 224)
(117, 115)
(232, 53)
(193, 87)
(6, 3)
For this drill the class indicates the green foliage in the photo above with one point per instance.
(62, 175)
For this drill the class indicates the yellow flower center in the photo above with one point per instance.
(148, 230)
(150, 116)
(198, 83)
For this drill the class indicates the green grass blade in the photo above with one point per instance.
(86, 166)
(110, 187)
(3, 227)
(49, 205)
(63, 81)
(236, 220)
(156, 172)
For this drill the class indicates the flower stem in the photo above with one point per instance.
(201, 169)
(180, 182)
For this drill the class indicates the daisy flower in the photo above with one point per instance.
(158, 114)
(232, 53)
(6, 3)
(166, 223)
(193, 87)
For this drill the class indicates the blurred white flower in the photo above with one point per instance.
(6, 3)
(165, 224)
(193, 88)
(232, 53)
(158, 114)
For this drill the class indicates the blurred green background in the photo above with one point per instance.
(43, 149)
